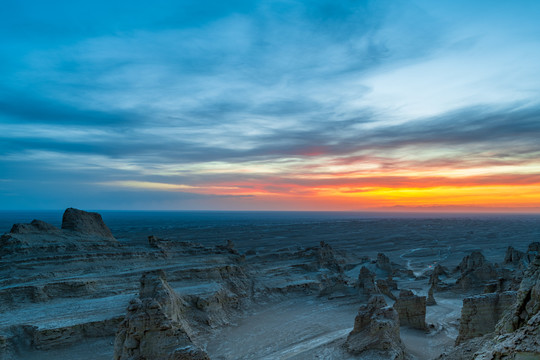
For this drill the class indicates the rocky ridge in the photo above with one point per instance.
(517, 332)
(207, 287)
(411, 310)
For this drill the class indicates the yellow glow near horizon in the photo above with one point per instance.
(495, 195)
(366, 197)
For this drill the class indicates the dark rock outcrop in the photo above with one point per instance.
(472, 262)
(513, 257)
(366, 282)
(36, 226)
(83, 222)
(81, 231)
(436, 274)
(383, 263)
(161, 244)
(229, 247)
(534, 249)
(155, 242)
(376, 331)
(386, 286)
(326, 258)
(475, 271)
(411, 310)
(430, 298)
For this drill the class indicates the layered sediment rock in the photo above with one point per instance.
(522, 344)
(80, 231)
(35, 227)
(376, 331)
(519, 328)
(527, 304)
(475, 271)
(92, 278)
(517, 334)
(411, 310)
(83, 222)
(155, 326)
(480, 314)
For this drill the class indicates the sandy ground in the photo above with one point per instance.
(285, 330)
(444, 317)
(308, 328)
(301, 328)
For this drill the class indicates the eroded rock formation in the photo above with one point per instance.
(366, 282)
(411, 310)
(519, 328)
(475, 271)
(155, 326)
(383, 263)
(386, 286)
(376, 331)
(527, 304)
(83, 222)
(93, 277)
(81, 231)
(480, 314)
(326, 258)
(435, 277)
(35, 227)
(534, 249)
(517, 334)
(430, 301)
(513, 256)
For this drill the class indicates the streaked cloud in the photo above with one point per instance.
(263, 104)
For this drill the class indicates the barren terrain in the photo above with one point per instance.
(276, 288)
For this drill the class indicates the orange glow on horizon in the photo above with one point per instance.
(462, 194)
(405, 180)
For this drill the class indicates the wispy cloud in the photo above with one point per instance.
(268, 97)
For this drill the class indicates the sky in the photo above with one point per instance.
(389, 105)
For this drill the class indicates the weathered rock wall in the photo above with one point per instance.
(411, 310)
(480, 314)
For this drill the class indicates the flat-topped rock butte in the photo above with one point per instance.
(307, 290)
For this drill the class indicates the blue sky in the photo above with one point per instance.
(261, 104)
